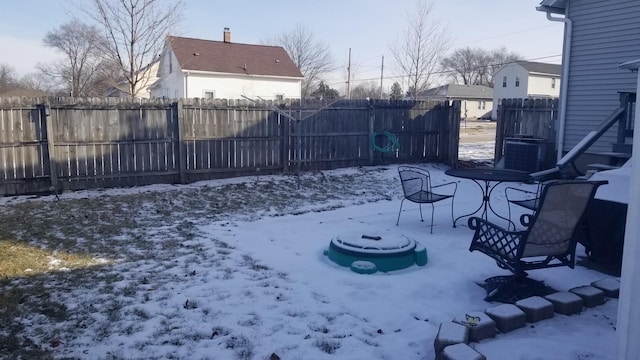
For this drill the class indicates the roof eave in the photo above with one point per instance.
(553, 6)
(201, 72)
(543, 73)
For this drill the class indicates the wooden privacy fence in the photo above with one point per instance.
(57, 144)
(527, 119)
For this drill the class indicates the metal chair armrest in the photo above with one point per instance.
(455, 184)
(526, 192)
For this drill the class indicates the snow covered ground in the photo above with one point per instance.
(234, 269)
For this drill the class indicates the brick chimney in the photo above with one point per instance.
(227, 35)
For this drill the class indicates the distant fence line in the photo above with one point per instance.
(529, 118)
(57, 144)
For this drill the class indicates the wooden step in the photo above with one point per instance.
(622, 148)
(615, 154)
(601, 167)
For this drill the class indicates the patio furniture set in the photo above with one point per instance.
(551, 231)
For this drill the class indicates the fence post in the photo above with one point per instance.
(285, 125)
(500, 130)
(453, 117)
(372, 120)
(45, 112)
(182, 162)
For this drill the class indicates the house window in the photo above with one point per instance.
(517, 81)
(208, 94)
(279, 97)
(482, 105)
(170, 63)
(553, 83)
(504, 81)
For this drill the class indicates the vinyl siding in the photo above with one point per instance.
(605, 33)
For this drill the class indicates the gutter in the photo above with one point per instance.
(564, 77)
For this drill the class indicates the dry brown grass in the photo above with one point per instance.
(20, 259)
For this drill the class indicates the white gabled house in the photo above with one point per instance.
(148, 76)
(197, 68)
(525, 79)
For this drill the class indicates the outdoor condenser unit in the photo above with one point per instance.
(522, 156)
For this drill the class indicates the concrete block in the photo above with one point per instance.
(610, 287)
(591, 296)
(461, 352)
(508, 317)
(536, 308)
(480, 325)
(450, 333)
(565, 303)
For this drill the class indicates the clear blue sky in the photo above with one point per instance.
(365, 26)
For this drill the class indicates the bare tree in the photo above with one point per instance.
(135, 31)
(7, 78)
(33, 81)
(466, 65)
(366, 90)
(310, 55)
(420, 48)
(476, 66)
(80, 44)
(497, 59)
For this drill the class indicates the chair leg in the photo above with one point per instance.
(398, 221)
(453, 219)
(421, 218)
(432, 211)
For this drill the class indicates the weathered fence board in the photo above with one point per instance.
(76, 143)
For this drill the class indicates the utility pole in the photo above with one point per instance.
(381, 75)
(349, 76)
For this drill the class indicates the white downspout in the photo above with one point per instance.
(564, 78)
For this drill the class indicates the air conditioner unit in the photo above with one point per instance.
(522, 156)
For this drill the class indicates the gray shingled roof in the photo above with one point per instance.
(458, 91)
(553, 6)
(541, 68)
(233, 58)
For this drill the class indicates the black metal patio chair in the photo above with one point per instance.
(417, 188)
(527, 199)
(549, 240)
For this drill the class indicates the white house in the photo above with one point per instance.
(197, 68)
(148, 77)
(524, 79)
(476, 101)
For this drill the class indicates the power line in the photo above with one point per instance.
(335, 82)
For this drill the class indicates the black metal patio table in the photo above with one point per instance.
(487, 179)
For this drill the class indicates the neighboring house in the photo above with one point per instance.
(196, 68)
(149, 77)
(525, 79)
(598, 36)
(476, 101)
(21, 92)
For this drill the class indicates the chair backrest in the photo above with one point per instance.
(414, 180)
(562, 207)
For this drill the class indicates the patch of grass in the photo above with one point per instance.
(20, 259)
(241, 346)
(253, 264)
(328, 346)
